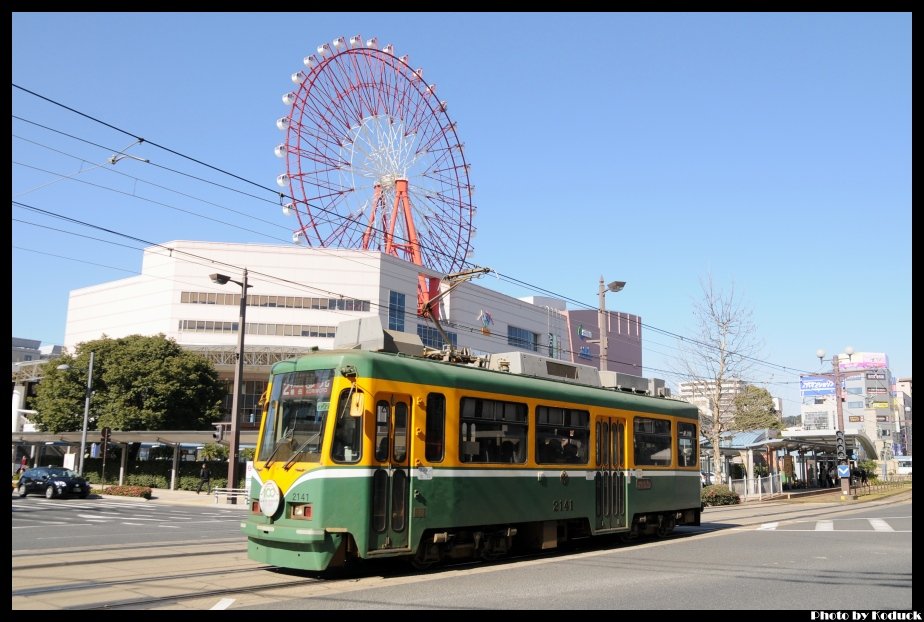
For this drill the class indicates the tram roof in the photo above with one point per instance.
(401, 367)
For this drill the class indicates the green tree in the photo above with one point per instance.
(139, 383)
(247, 453)
(214, 452)
(754, 410)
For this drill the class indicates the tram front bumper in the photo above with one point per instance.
(295, 547)
(285, 533)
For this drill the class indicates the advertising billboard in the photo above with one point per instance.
(863, 360)
(816, 385)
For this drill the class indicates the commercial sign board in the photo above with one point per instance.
(863, 360)
(816, 385)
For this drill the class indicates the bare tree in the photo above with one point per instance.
(714, 360)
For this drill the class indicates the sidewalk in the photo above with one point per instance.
(178, 497)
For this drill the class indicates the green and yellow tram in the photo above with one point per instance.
(367, 454)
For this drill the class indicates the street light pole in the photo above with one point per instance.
(615, 286)
(86, 412)
(235, 430)
(86, 415)
(839, 404)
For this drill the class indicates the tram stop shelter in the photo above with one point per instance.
(35, 444)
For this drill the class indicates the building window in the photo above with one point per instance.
(432, 337)
(396, 311)
(815, 420)
(256, 328)
(251, 393)
(288, 302)
(522, 338)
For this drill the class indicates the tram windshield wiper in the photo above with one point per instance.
(269, 461)
(300, 450)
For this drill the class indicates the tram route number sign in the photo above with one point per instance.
(843, 470)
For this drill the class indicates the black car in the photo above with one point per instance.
(53, 482)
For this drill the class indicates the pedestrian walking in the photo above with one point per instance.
(24, 464)
(205, 479)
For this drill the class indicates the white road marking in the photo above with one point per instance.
(224, 603)
(768, 526)
(824, 525)
(880, 525)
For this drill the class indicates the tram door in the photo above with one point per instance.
(390, 485)
(610, 479)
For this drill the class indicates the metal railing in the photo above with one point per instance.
(239, 496)
(878, 485)
(757, 488)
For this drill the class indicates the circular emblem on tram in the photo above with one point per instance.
(564, 478)
(270, 497)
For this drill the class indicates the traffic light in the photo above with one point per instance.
(105, 435)
(219, 433)
(840, 445)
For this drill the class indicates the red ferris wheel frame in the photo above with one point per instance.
(373, 160)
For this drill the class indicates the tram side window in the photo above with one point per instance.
(436, 423)
(562, 435)
(652, 441)
(382, 416)
(492, 431)
(686, 445)
(348, 433)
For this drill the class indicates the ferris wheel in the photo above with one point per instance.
(373, 160)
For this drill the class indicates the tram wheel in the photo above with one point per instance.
(665, 527)
(427, 556)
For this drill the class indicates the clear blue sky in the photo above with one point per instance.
(772, 151)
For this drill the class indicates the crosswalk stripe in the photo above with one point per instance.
(880, 525)
(768, 526)
(824, 525)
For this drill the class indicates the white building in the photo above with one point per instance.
(867, 404)
(296, 299)
(699, 392)
(903, 412)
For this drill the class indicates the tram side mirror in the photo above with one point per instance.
(357, 404)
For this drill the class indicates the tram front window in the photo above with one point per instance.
(294, 423)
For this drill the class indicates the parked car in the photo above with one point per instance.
(52, 482)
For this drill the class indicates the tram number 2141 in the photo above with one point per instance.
(563, 505)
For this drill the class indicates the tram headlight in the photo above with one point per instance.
(302, 511)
